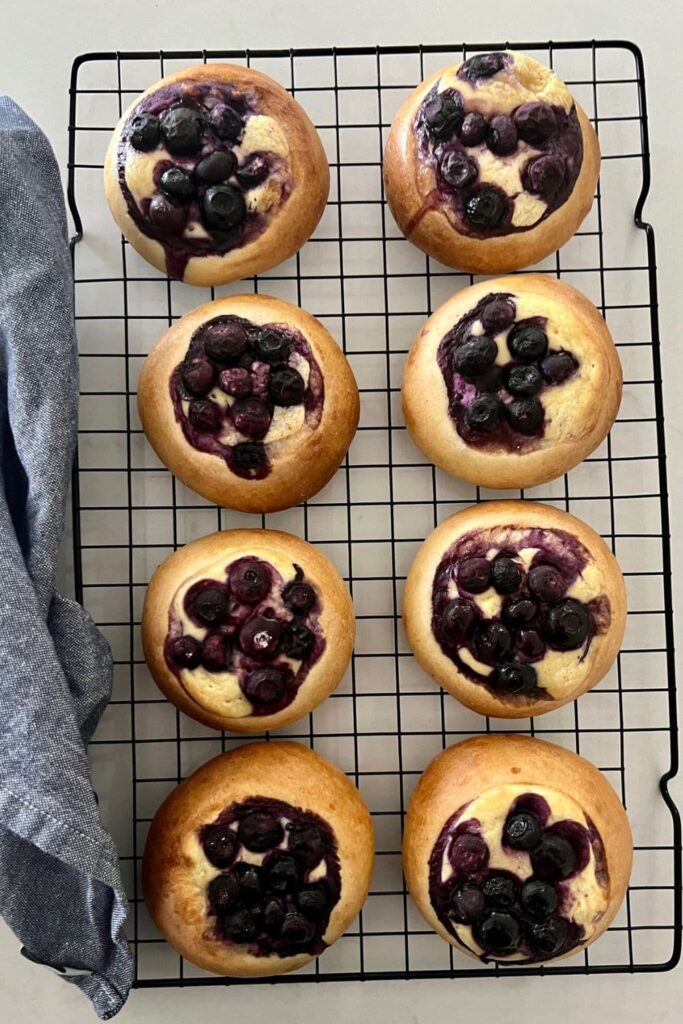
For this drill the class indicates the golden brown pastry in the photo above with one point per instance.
(215, 173)
(247, 630)
(490, 165)
(516, 850)
(512, 382)
(515, 607)
(250, 402)
(259, 861)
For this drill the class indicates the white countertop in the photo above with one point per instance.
(38, 42)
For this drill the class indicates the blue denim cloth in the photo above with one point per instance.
(60, 888)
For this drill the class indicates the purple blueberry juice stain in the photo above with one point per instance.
(254, 630)
(248, 457)
(508, 916)
(224, 215)
(499, 405)
(273, 908)
(536, 609)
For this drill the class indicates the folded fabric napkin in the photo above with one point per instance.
(60, 888)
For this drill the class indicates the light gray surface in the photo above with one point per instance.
(37, 45)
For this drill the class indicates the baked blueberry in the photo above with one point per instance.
(225, 121)
(249, 580)
(224, 893)
(527, 342)
(250, 880)
(296, 928)
(545, 175)
(483, 416)
(558, 366)
(272, 346)
(198, 376)
(181, 129)
(249, 455)
(524, 381)
(253, 171)
(506, 575)
(475, 355)
(224, 340)
(550, 937)
(216, 167)
(498, 931)
(240, 925)
(168, 217)
(283, 873)
(223, 207)
(312, 900)
(215, 652)
(210, 605)
(306, 843)
(286, 387)
(235, 381)
(473, 129)
(177, 184)
(568, 624)
(489, 382)
(516, 677)
(251, 417)
(144, 132)
(554, 858)
(443, 114)
(260, 378)
(493, 641)
(469, 853)
(519, 610)
(502, 135)
(500, 890)
(260, 831)
(467, 903)
(474, 574)
(497, 315)
(530, 643)
(273, 912)
(185, 652)
(535, 122)
(220, 845)
(261, 637)
(525, 415)
(538, 899)
(299, 597)
(546, 582)
(456, 619)
(297, 641)
(522, 831)
(484, 65)
(485, 208)
(458, 170)
(265, 686)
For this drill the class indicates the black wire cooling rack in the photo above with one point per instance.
(372, 289)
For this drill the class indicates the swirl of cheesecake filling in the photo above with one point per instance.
(243, 389)
(201, 169)
(517, 610)
(272, 877)
(242, 637)
(500, 145)
(511, 375)
(519, 875)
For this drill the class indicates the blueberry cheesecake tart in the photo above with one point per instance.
(259, 861)
(250, 402)
(215, 173)
(516, 850)
(514, 607)
(512, 382)
(491, 165)
(247, 630)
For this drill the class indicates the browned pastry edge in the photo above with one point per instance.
(417, 603)
(466, 770)
(336, 621)
(300, 465)
(281, 771)
(288, 228)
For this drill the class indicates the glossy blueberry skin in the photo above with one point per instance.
(524, 381)
(215, 168)
(225, 121)
(265, 686)
(185, 652)
(443, 114)
(506, 576)
(474, 129)
(220, 845)
(456, 619)
(223, 208)
(177, 184)
(522, 831)
(568, 624)
(458, 170)
(475, 355)
(527, 342)
(260, 831)
(474, 574)
(502, 135)
(467, 903)
(469, 853)
(554, 859)
(516, 677)
(538, 899)
(498, 932)
(485, 208)
(525, 415)
(181, 129)
(144, 132)
(483, 416)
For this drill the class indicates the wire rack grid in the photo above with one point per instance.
(373, 290)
